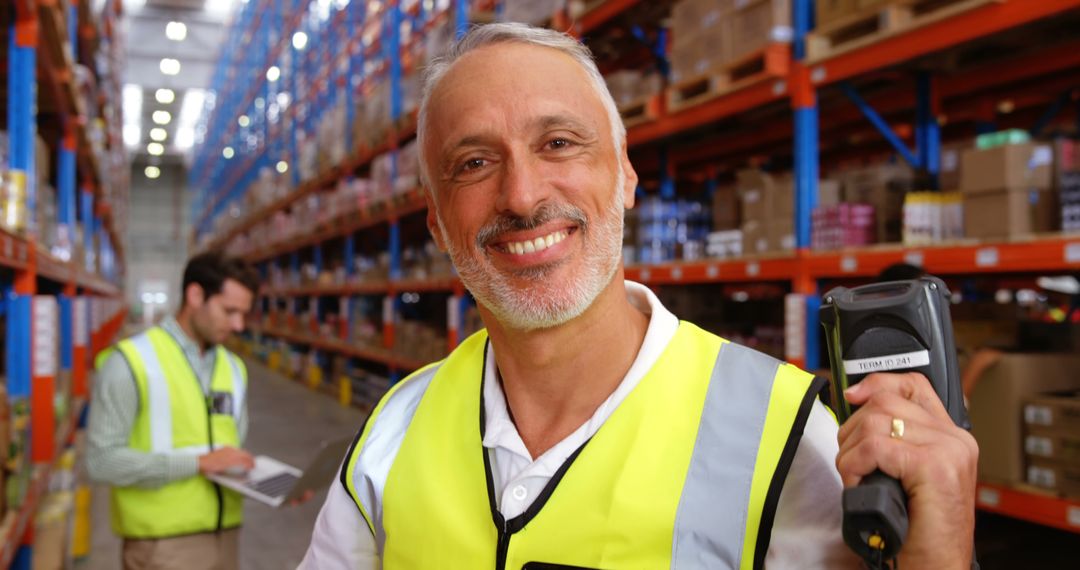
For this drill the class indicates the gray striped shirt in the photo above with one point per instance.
(114, 405)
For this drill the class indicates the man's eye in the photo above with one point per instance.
(473, 164)
(558, 144)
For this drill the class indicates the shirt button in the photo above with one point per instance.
(520, 492)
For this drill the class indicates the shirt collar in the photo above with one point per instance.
(499, 429)
(171, 326)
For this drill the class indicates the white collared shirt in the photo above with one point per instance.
(806, 530)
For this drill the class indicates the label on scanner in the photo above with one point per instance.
(887, 362)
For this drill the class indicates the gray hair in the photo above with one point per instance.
(490, 34)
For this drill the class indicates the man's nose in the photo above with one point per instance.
(522, 189)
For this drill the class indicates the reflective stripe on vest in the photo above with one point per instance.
(685, 473)
(174, 419)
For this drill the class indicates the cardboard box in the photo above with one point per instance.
(829, 193)
(755, 237)
(951, 160)
(996, 407)
(757, 23)
(1010, 213)
(1057, 413)
(828, 11)
(765, 196)
(1062, 478)
(1061, 448)
(1024, 165)
(782, 234)
(725, 209)
(884, 187)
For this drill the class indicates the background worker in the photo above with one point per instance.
(169, 407)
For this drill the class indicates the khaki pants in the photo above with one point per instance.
(206, 551)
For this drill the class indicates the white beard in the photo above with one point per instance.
(543, 303)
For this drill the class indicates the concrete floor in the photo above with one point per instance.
(288, 422)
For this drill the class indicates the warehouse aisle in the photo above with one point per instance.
(289, 422)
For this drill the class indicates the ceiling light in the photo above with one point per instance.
(165, 96)
(133, 99)
(132, 135)
(185, 138)
(282, 166)
(243, 120)
(158, 134)
(155, 149)
(299, 40)
(227, 152)
(162, 117)
(152, 172)
(192, 107)
(170, 66)
(273, 73)
(176, 31)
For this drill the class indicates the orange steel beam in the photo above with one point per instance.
(601, 14)
(956, 30)
(705, 113)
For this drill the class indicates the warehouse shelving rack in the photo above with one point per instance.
(654, 144)
(60, 312)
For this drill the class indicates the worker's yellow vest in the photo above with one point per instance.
(685, 473)
(175, 417)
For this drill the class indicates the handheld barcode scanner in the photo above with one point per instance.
(900, 326)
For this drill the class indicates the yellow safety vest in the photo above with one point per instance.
(685, 473)
(176, 417)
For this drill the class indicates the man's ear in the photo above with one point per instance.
(194, 296)
(630, 188)
(433, 221)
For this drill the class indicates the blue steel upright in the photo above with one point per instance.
(805, 108)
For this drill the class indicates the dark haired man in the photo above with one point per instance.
(169, 407)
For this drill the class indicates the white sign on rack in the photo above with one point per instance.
(79, 322)
(453, 312)
(45, 349)
(794, 325)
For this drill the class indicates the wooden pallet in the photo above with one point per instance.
(763, 65)
(642, 110)
(897, 17)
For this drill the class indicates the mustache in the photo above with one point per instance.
(546, 213)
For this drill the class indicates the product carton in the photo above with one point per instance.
(996, 407)
(1014, 166)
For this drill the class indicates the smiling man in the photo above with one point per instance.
(587, 427)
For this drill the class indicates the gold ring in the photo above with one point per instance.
(897, 428)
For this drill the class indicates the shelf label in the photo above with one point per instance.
(1072, 515)
(453, 312)
(46, 337)
(818, 74)
(79, 328)
(1072, 252)
(388, 310)
(753, 268)
(676, 273)
(849, 263)
(986, 257)
(989, 497)
(712, 272)
(645, 275)
(914, 258)
(794, 325)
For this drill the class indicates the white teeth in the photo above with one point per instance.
(535, 245)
